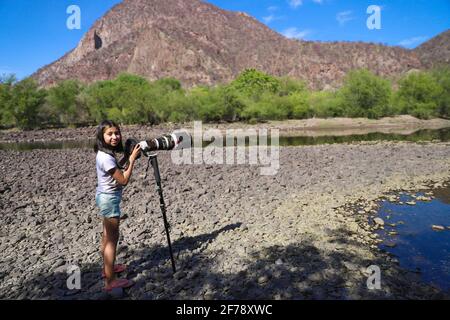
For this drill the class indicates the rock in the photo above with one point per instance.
(158, 289)
(390, 244)
(179, 275)
(177, 288)
(263, 279)
(209, 295)
(379, 221)
(149, 287)
(391, 224)
(411, 203)
(350, 266)
(437, 227)
(392, 199)
(279, 262)
(422, 198)
(58, 263)
(69, 293)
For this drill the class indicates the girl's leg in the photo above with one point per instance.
(103, 241)
(111, 229)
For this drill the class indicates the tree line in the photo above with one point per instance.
(253, 96)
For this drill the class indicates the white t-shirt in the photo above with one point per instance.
(105, 182)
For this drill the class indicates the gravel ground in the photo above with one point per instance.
(301, 234)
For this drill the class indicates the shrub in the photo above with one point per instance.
(418, 95)
(325, 104)
(365, 95)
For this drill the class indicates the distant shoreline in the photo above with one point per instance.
(403, 124)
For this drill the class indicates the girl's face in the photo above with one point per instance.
(112, 136)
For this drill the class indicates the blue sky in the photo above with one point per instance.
(33, 33)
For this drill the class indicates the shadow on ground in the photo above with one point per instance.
(296, 271)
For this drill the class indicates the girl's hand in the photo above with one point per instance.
(135, 153)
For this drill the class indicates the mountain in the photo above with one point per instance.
(435, 51)
(199, 43)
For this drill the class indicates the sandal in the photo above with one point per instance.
(118, 268)
(119, 283)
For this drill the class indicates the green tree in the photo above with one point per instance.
(167, 85)
(64, 105)
(133, 99)
(6, 83)
(325, 104)
(26, 100)
(164, 95)
(418, 95)
(289, 85)
(365, 95)
(254, 83)
(442, 77)
(126, 99)
(274, 107)
(98, 98)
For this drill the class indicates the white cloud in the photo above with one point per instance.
(272, 8)
(344, 16)
(268, 19)
(318, 1)
(412, 41)
(294, 33)
(295, 3)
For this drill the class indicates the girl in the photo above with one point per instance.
(111, 180)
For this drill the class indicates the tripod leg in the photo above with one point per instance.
(154, 162)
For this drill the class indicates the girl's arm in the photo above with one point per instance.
(124, 177)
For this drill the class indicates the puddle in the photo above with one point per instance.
(409, 233)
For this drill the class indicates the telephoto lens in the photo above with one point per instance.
(179, 139)
(165, 142)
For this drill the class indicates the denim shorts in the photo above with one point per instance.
(109, 204)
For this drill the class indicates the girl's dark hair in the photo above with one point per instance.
(100, 144)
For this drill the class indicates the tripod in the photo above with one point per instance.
(153, 160)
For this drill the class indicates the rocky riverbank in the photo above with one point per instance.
(310, 127)
(236, 234)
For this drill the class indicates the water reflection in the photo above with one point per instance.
(442, 135)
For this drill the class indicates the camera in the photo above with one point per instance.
(176, 140)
